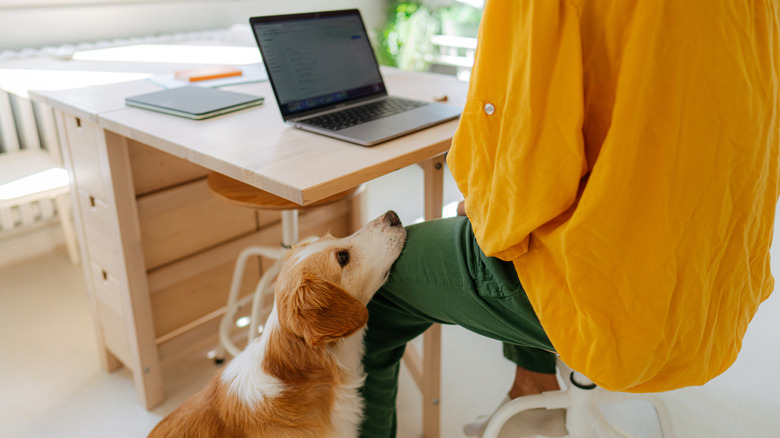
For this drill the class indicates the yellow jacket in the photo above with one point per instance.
(624, 154)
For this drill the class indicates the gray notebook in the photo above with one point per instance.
(194, 102)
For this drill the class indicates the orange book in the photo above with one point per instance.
(206, 73)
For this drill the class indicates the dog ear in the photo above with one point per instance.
(322, 311)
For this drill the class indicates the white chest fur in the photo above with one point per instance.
(244, 375)
(348, 405)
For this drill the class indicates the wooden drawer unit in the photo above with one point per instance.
(100, 236)
(87, 156)
(111, 313)
(185, 220)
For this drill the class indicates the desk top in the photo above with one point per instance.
(256, 147)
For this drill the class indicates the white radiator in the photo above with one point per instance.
(27, 126)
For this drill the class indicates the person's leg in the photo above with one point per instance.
(443, 277)
(528, 380)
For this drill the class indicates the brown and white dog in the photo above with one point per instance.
(302, 377)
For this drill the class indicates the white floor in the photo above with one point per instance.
(51, 383)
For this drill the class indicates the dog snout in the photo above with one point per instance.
(391, 218)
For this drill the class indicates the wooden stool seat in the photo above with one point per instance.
(244, 195)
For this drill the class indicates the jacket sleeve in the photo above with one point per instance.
(518, 156)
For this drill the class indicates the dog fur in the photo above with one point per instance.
(302, 377)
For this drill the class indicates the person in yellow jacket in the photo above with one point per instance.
(620, 169)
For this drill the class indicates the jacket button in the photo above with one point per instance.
(489, 109)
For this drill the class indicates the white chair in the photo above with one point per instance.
(32, 176)
(244, 195)
(581, 399)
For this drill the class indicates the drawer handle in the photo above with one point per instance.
(105, 274)
(92, 201)
(78, 123)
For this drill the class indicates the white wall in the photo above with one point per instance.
(36, 27)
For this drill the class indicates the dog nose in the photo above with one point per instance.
(392, 218)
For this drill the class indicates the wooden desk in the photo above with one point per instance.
(155, 238)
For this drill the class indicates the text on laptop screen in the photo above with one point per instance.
(318, 61)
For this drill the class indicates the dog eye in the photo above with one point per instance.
(343, 257)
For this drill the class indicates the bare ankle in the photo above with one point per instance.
(530, 382)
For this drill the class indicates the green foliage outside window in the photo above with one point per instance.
(405, 40)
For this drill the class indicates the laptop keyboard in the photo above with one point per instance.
(346, 118)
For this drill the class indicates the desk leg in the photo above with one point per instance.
(433, 174)
(433, 170)
(144, 360)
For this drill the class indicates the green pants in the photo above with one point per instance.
(443, 277)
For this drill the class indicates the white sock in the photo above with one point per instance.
(544, 422)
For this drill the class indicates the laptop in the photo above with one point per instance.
(326, 79)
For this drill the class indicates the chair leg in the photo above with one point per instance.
(289, 237)
(585, 419)
(663, 414)
(547, 400)
(257, 300)
(225, 343)
(289, 228)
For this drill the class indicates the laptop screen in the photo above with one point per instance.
(317, 59)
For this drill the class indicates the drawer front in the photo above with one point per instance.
(107, 288)
(155, 170)
(86, 151)
(189, 294)
(198, 296)
(111, 315)
(188, 219)
(195, 287)
(102, 243)
(114, 330)
(266, 218)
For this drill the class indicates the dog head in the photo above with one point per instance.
(324, 286)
